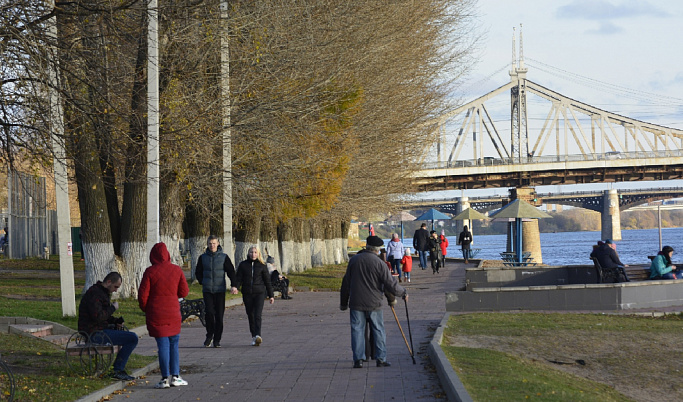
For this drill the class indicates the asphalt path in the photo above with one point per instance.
(306, 352)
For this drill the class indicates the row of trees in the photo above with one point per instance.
(329, 103)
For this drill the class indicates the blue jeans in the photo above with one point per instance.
(358, 322)
(169, 357)
(423, 258)
(127, 340)
(466, 253)
(396, 266)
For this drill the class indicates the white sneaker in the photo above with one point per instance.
(178, 381)
(408, 280)
(162, 384)
(253, 341)
(258, 340)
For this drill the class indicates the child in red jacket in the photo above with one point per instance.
(407, 263)
(444, 247)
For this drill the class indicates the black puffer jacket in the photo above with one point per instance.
(253, 277)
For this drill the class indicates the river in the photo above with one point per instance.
(571, 248)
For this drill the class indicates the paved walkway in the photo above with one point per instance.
(306, 352)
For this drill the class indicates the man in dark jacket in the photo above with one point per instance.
(212, 267)
(95, 314)
(421, 244)
(607, 256)
(364, 286)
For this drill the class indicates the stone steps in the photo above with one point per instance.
(37, 330)
(46, 330)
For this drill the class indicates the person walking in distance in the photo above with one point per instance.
(434, 251)
(162, 285)
(253, 278)
(464, 240)
(212, 267)
(364, 286)
(421, 244)
(395, 254)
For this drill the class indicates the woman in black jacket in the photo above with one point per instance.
(253, 278)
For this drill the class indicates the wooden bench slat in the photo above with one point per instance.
(100, 349)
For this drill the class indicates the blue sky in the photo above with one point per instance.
(633, 46)
(623, 56)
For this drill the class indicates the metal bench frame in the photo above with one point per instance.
(194, 307)
(90, 354)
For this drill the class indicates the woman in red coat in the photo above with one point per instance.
(162, 284)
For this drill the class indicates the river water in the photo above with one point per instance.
(572, 248)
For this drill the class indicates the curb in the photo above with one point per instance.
(117, 386)
(450, 381)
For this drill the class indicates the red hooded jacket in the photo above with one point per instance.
(444, 244)
(162, 284)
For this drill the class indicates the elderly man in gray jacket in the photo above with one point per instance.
(366, 282)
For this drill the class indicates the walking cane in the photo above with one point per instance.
(410, 350)
(408, 320)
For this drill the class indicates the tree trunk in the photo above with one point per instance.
(171, 223)
(344, 238)
(285, 235)
(197, 232)
(302, 243)
(317, 245)
(133, 211)
(246, 235)
(328, 240)
(268, 240)
(95, 230)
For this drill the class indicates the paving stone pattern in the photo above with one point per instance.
(306, 352)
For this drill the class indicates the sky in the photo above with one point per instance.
(623, 56)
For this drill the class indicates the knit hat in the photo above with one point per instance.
(270, 260)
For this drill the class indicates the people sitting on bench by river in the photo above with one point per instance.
(607, 256)
(95, 313)
(277, 280)
(661, 266)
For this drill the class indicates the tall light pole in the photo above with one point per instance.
(152, 126)
(66, 263)
(226, 134)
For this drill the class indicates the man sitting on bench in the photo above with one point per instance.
(608, 258)
(95, 314)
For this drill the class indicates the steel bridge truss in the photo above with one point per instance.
(569, 126)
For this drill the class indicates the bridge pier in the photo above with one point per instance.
(611, 216)
(463, 204)
(531, 237)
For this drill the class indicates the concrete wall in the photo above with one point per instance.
(607, 296)
(529, 276)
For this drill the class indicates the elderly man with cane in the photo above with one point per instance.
(365, 283)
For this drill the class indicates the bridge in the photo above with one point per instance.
(576, 143)
(593, 200)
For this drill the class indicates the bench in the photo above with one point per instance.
(637, 273)
(90, 354)
(474, 252)
(193, 307)
(609, 275)
(510, 259)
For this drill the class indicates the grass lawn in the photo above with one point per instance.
(327, 277)
(593, 357)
